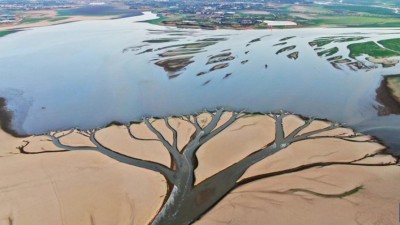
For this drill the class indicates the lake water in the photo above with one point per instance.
(86, 74)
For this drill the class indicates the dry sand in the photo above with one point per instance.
(386, 62)
(79, 187)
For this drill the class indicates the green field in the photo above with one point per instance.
(328, 52)
(370, 48)
(58, 19)
(356, 21)
(393, 44)
(34, 20)
(362, 9)
(321, 42)
(158, 21)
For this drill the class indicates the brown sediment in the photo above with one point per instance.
(328, 52)
(336, 63)
(175, 64)
(223, 57)
(357, 66)
(281, 43)
(227, 75)
(343, 61)
(161, 40)
(335, 58)
(196, 46)
(6, 119)
(206, 82)
(287, 38)
(133, 48)
(213, 39)
(219, 60)
(286, 49)
(256, 40)
(293, 55)
(219, 66)
(201, 73)
(178, 52)
(384, 95)
(145, 51)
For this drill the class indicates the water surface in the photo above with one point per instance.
(86, 74)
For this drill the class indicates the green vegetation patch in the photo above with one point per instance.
(370, 48)
(158, 21)
(348, 39)
(7, 32)
(393, 44)
(34, 19)
(355, 21)
(320, 42)
(352, 9)
(161, 40)
(58, 19)
(328, 52)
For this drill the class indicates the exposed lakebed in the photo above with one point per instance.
(87, 74)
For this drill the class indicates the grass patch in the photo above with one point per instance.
(328, 52)
(339, 195)
(58, 19)
(34, 19)
(393, 44)
(370, 48)
(356, 21)
(361, 9)
(158, 21)
(320, 42)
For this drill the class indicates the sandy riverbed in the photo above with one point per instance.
(89, 188)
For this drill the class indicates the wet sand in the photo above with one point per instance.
(73, 188)
(385, 96)
(6, 119)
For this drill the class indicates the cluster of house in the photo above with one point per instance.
(5, 18)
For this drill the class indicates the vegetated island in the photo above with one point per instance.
(246, 168)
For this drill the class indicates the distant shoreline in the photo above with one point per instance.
(53, 15)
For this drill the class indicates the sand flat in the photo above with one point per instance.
(84, 187)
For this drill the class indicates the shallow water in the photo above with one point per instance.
(77, 75)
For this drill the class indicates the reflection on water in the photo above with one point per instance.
(87, 74)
